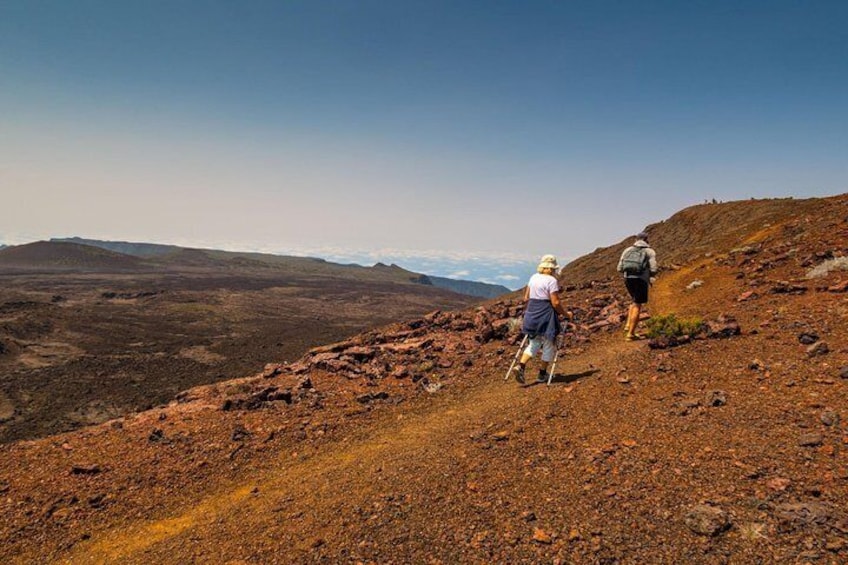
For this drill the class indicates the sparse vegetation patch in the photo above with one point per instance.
(670, 326)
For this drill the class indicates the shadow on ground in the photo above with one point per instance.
(559, 378)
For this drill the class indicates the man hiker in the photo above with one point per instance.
(541, 317)
(638, 263)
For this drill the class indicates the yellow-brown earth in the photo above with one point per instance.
(406, 444)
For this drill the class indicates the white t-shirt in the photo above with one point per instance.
(542, 286)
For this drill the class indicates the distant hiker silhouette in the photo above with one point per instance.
(638, 264)
(541, 317)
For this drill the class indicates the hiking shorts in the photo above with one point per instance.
(541, 342)
(638, 289)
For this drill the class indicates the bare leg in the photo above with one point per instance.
(633, 319)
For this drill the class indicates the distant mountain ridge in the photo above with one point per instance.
(473, 288)
(125, 247)
(470, 288)
(66, 256)
(183, 255)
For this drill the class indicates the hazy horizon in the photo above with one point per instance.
(490, 129)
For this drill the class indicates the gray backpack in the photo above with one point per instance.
(634, 260)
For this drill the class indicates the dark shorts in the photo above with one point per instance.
(638, 290)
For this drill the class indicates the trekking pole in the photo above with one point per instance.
(559, 341)
(556, 355)
(517, 354)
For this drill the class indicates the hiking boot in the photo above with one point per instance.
(634, 337)
(518, 373)
(542, 379)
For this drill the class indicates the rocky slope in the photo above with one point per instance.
(88, 335)
(406, 445)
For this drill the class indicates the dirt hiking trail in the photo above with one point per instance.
(405, 444)
(313, 502)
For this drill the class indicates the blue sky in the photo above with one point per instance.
(501, 130)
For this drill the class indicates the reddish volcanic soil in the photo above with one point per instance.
(406, 445)
(78, 348)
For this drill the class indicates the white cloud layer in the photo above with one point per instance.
(507, 269)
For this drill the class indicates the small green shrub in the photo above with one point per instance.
(671, 326)
(426, 366)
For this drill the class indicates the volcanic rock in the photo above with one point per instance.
(541, 536)
(808, 338)
(818, 348)
(839, 287)
(85, 469)
(239, 433)
(784, 287)
(829, 417)
(716, 398)
(259, 399)
(432, 387)
(810, 439)
(372, 396)
(707, 520)
(722, 327)
(798, 515)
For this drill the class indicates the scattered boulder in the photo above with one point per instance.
(707, 520)
(745, 250)
(839, 287)
(818, 348)
(259, 399)
(810, 439)
(716, 398)
(797, 515)
(272, 370)
(433, 387)
(305, 383)
(694, 284)
(843, 372)
(486, 334)
(501, 328)
(829, 417)
(666, 341)
(369, 397)
(240, 433)
(757, 365)
(784, 287)
(685, 406)
(98, 500)
(541, 536)
(528, 516)
(722, 327)
(85, 469)
(400, 373)
(778, 484)
(808, 338)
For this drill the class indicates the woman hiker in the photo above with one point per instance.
(541, 317)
